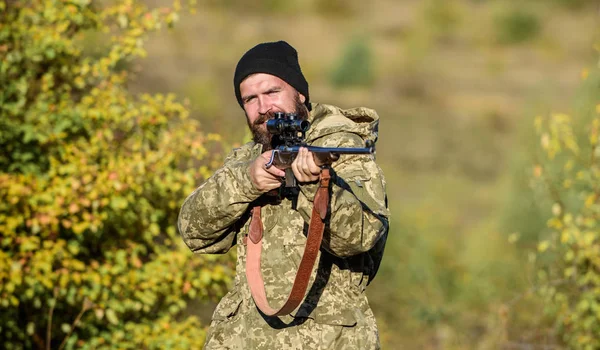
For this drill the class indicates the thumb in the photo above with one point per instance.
(266, 155)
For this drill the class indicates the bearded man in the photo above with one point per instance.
(242, 197)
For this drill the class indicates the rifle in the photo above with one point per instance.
(288, 136)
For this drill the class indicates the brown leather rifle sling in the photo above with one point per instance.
(311, 250)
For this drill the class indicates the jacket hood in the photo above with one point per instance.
(327, 119)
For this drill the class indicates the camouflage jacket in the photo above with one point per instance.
(216, 216)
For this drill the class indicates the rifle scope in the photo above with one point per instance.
(286, 123)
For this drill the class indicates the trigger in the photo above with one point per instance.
(271, 160)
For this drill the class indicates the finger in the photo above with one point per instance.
(270, 183)
(306, 166)
(303, 166)
(301, 162)
(270, 178)
(274, 185)
(310, 167)
(272, 174)
(274, 171)
(313, 168)
(265, 157)
(298, 167)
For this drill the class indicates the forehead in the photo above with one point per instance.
(262, 80)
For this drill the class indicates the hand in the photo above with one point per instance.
(304, 166)
(262, 178)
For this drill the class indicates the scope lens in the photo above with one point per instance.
(304, 125)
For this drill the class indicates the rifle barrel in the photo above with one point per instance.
(336, 150)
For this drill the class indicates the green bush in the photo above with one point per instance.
(569, 169)
(577, 4)
(91, 181)
(272, 7)
(517, 26)
(443, 15)
(355, 66)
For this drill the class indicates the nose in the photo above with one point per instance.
(263, 105)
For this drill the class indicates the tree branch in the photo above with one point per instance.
(50, 312)
(87, 304)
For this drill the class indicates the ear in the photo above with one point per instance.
(302, 98)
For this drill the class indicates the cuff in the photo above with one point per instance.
(241, 173)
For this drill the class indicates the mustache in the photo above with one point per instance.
(263, 118)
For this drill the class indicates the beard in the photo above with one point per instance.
(261, 135)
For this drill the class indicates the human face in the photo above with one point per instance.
(263, 95)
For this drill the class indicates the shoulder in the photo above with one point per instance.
(245, 152)
(327, 119)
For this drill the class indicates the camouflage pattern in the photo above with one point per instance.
(335, 313)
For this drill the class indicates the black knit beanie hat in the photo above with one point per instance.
(276, 58)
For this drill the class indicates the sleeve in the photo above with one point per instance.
(207, 219)
(358, 204)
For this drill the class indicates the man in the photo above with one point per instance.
(334, 313)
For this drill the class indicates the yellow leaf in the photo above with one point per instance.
(111, 316)
(569, 271)
(588, 239)
(556, 209)
(569, 165)
(79, 82)
(80, 227)
(545, 141)
(73, 208)
(99, 313)
(568, 219)
(590, 200)
(65, 327)
(569, 255)
(543, 246)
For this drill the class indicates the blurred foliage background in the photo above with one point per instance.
(488, 139)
